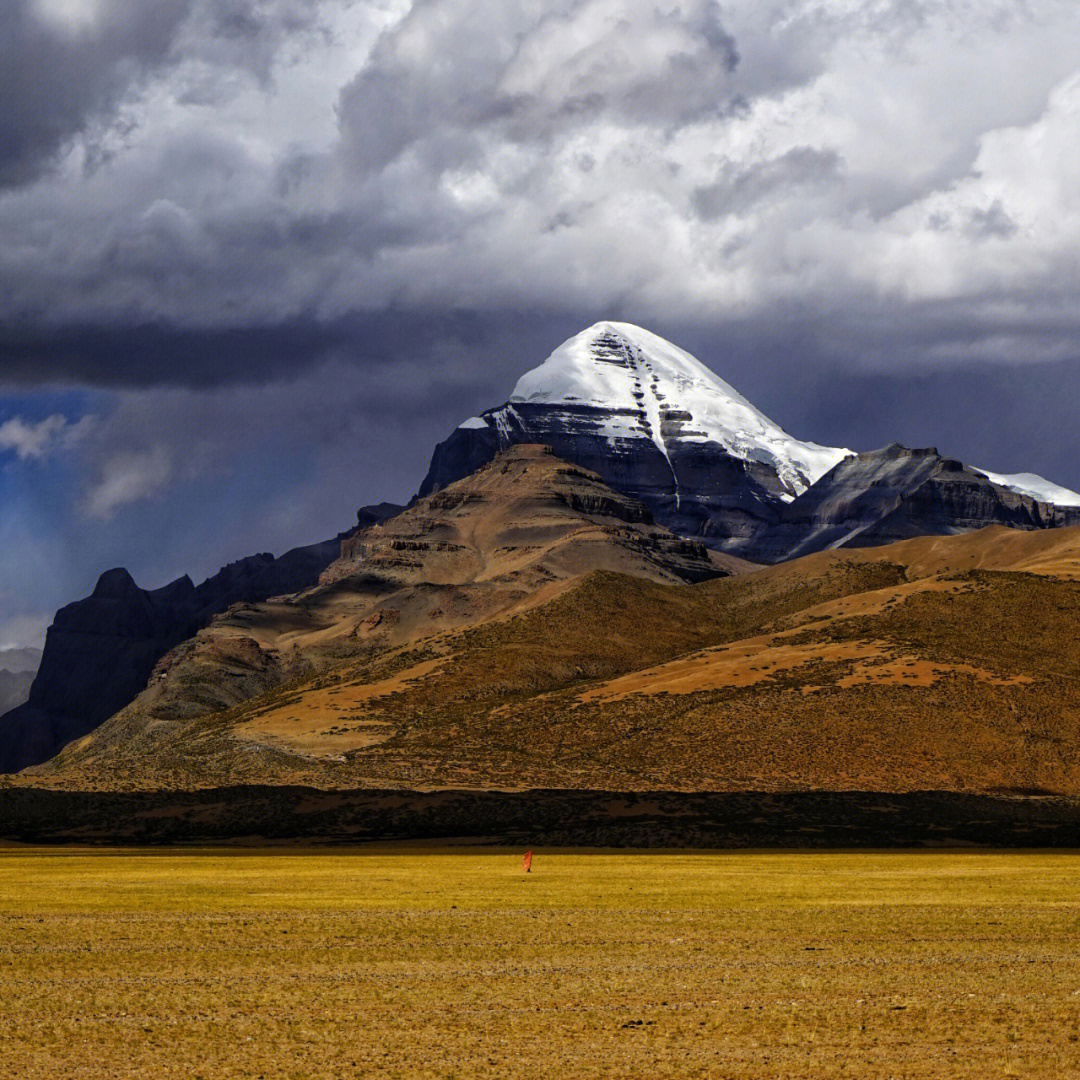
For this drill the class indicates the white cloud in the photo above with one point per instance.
(1012, 219)
(71, 16)
(127, 477)
(31, 441)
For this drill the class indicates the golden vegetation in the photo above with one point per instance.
(455, 964)
(929, 664)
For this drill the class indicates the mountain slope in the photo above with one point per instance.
(20, 660)
(652, 387)
(647, 433)
(14, 688)
(896, 493)
(17, 668)
(944, 663)
(100, 650)
(515, 534)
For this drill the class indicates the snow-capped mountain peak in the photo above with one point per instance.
(650, 388)
(656, 424)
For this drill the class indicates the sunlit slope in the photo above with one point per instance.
(944, 663)
(512, 535)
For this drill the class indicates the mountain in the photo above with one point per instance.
(20, 660)
(655, 423)
(14, 687)
(620, 453)
(519, 532)
(100, 650)
(934, 664)
(897, 493)
(652, 422)
(17, 668)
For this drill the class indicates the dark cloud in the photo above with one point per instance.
(59, 72)
(470, 348)
(280, 171)
(66, 64)
(1006, 419)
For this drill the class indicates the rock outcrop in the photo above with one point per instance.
(100, 651)
(377, 513)
(526, 513)
(897, 493)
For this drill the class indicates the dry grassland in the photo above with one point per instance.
(424, 964)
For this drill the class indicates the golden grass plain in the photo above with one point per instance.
(453, 963)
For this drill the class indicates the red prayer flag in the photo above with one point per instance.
(528, 861)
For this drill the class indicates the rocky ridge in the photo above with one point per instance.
(100, 651)
(897, 493)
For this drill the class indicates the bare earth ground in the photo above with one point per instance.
(455, 964)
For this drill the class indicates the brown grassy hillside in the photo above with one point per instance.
(938, 663)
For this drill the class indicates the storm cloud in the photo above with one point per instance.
(65, 63)
(259, 255)
(236, 165)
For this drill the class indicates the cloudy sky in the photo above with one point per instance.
(258, 256)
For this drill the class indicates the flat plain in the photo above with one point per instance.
(454, 963)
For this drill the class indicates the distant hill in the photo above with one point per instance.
(100, 650)
(17, 669)
(19, 660)
(14, 688)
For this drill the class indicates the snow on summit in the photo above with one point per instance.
(626, 371)
(1038, 487)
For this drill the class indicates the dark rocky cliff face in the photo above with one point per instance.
(895, 494)
(716, 497)
(872, 498)
(100, 651)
